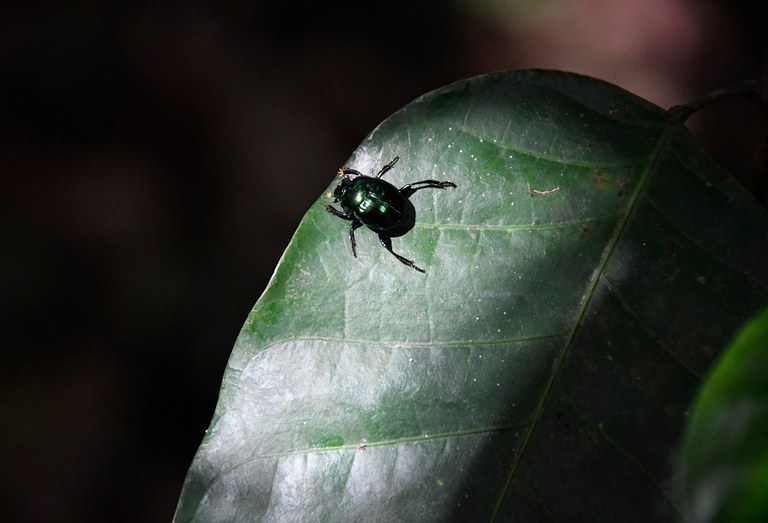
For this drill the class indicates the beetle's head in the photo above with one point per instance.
(341, 188)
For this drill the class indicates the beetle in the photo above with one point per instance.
(377, 204)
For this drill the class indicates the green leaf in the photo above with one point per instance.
(726, 452)
(542, 367)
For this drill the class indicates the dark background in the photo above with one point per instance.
(155, 159)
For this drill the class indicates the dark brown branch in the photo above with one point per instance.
(753, 88)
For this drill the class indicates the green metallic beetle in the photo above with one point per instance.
(379, 205)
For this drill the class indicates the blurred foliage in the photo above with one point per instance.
(726, 450)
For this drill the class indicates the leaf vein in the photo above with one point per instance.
(592, 164)
(629, 457)
(477, 431)
(615, 291)
(433, 344)
(711, 254)
(516, 227)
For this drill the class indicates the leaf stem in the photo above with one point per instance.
(754, 88)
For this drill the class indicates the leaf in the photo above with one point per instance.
(541, 368)
(726, 451)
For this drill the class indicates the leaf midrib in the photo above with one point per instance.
(619, 229)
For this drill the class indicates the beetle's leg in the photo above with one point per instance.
(387, 167)
(331, 209)
(355, 224)
(386, 241)
(408, 190)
